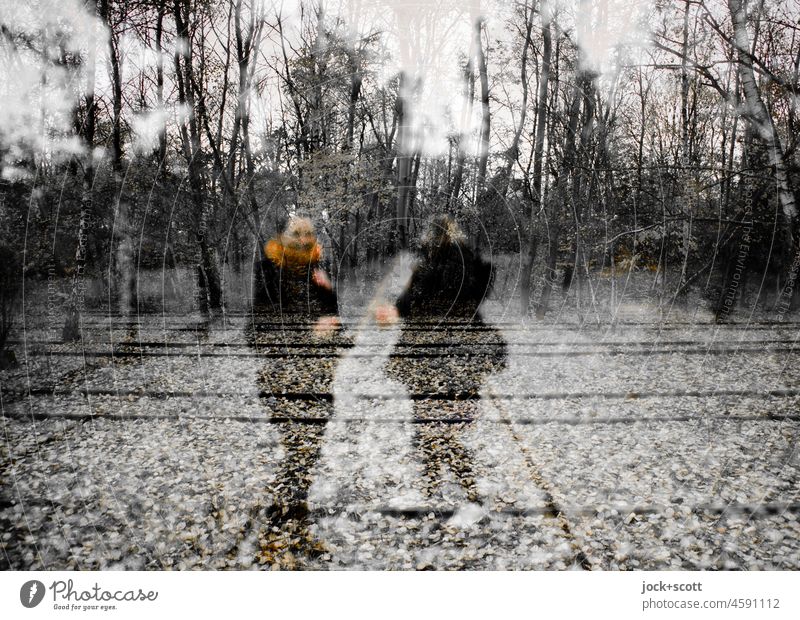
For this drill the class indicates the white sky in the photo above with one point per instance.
(426, 38)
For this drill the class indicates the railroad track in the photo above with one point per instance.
(551, 508)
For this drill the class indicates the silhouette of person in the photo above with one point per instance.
(290, 282)
(445, 349)
(292, 293)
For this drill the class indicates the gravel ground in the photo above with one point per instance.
(224, 444)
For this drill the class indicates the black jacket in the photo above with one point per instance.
(450, 280)
(285, 291)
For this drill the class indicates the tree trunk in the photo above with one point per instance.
(245, 50)
(513, 151)
(685, 145)
(71, 331)
(562, 197)
(208, 273)
(538, 156)
(483, 145)
(161, 153)
(72, 326)
(576, 271)
(763, 124)
(354, 67)
(116, 87)
(461, 154)
(404, 157)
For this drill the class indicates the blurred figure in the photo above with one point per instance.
(450, 281)
(445, 348)
(294, 308)
(289, 281)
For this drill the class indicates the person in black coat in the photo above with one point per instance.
(289, 280)
(294, 308)
(445, 350)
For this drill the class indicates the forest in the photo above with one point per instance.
(588, 147)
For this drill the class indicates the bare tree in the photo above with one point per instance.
(764, 125)
(483, 144)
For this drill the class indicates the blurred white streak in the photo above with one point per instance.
(148, 125)
(606, 31)
(45, 44)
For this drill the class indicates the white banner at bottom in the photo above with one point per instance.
(407, 595)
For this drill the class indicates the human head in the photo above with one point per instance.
(299, 233)
(444, 230)
(296, 246)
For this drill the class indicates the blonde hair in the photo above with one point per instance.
(299, 224)
(444, 229)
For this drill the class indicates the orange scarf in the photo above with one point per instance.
(291, 255)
